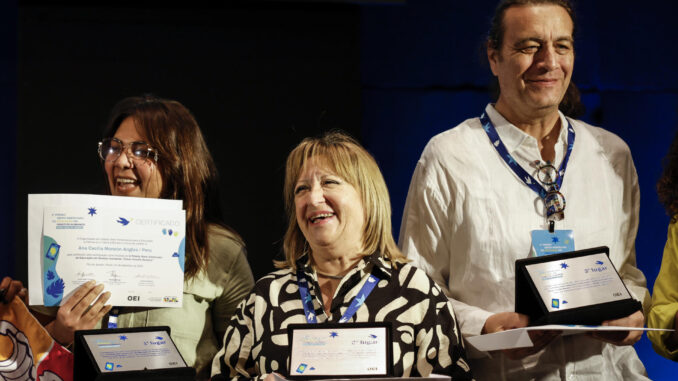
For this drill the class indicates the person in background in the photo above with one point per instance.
(664, 311)
(337, 243)
(482, 190)
(153, 148)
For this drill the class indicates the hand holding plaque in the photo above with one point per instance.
(636, 319)
(510, 320)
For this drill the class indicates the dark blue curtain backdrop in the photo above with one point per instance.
(423, 73)
(8, 111)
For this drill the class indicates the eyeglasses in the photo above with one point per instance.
(110, 149)
(554, 201)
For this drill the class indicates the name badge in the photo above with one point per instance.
(346, 350)
(547, 243)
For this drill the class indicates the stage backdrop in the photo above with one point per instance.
(259, 76)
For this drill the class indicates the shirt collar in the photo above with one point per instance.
(374, 259)
(512, 136)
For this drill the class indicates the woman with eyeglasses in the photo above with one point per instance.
(153, 148)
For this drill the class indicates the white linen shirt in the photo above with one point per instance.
(468, 217)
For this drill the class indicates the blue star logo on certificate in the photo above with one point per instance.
(564, 266)
(108, 366)
(92, 211)
(123, 337)
(333, 334)
(554, 239)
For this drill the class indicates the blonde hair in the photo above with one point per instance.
(348, 159)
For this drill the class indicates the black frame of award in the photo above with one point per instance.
(86, 368)
(389, 348)
(529, 302)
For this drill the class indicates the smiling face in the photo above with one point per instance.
(535, 60)
(132, 177)
(329, 211)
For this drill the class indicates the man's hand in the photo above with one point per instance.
(76, 313)
(509, 320)
(503, 321)
(10, 288)
(636, 319)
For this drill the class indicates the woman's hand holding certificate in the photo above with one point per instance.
(78, 312)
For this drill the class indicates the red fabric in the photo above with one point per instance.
(59, 362)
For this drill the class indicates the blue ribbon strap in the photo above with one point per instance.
(358, 300)
(516, 168)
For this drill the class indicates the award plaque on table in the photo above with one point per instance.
(578, 287)
(133, 354)
(346, 350)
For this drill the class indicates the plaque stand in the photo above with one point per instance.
(85, 366)
(529, 302)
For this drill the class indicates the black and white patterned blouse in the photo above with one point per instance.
(426, 337)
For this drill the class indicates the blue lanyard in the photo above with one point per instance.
(516, 168)
(358, 301)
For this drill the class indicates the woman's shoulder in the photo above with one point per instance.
(412, 278)
(227, 255)
(224, 242)
(274, 282)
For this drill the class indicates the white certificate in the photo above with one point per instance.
(520, 338)
(135, 247)
(577, 282)
(339, 351)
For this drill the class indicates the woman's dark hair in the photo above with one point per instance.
(185, 165)
(571, 104)
(667, 186)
